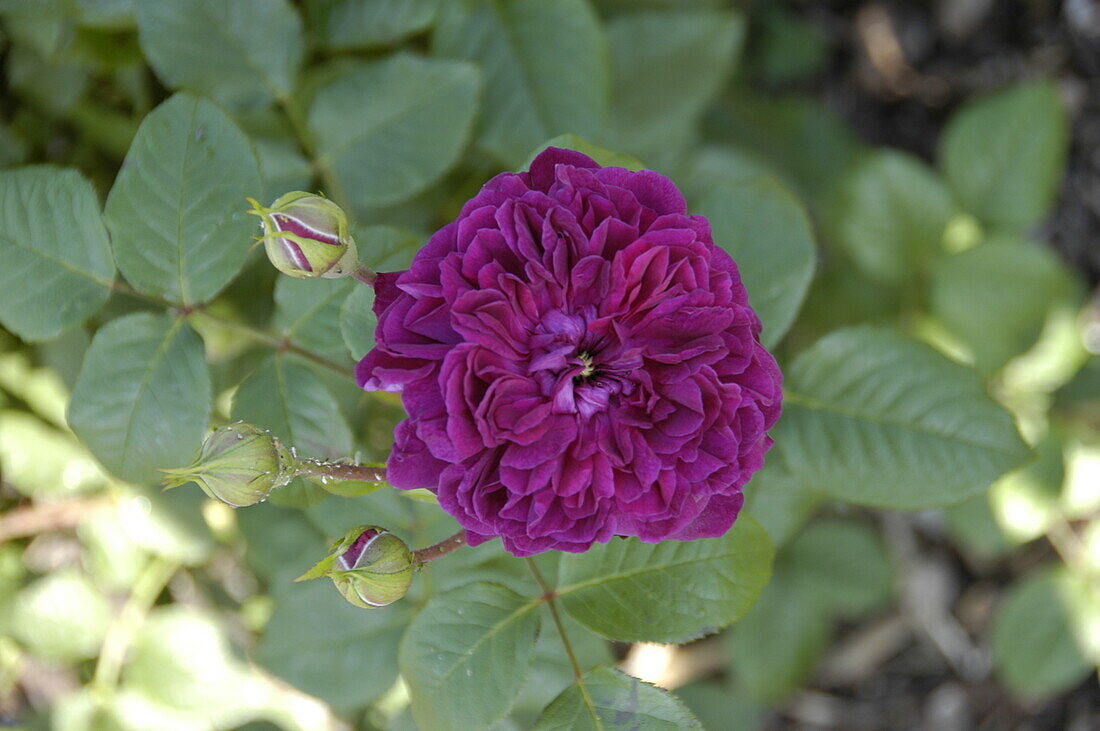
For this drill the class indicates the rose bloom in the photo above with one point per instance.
(578, 361)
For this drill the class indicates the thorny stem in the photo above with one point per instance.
(340, 470)
(431, 553)
(274, 341)
(147, 588)
(281, 344)
(550, 597)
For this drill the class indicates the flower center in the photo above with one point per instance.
(588, 369)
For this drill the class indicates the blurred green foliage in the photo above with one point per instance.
(123, 607)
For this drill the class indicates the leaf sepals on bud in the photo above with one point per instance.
(239, 464)
(306, 235)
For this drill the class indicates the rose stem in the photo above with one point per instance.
(431, 553)
(266, 338)
(339, 471)
(550, 595)
(365, 275)
(149, 585)
(46, 517)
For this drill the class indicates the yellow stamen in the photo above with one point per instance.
(588, 369)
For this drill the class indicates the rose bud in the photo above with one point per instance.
(370, 566)
(307, 235)
(239, 464)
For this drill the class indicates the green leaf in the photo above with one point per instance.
(281, 542)
(110, 557)
(109, 51)
(177, 211)
(712, 164)
(169, 524)
(767, 232)
(717, 707)
(775, 648)
(290, 400)
(347, 24)
(13, 148)
(417, 523)
(798, 134)
(391, 128)
(787, 47)
(615, 700)
(546, 69)
(1004, 154)
(282, 166)
(602, 155)
(61, 618)
(53, 80)
(1035, 650)
(323, 645)
(972, 526)
(40, 461)
(357, 321)
(39, 24)
(873, 417)
(552, 671)
(182, 659)
(996, 297)
(57, 271)
(780, 504)
(39, 388)
(65, 353)
(107, 14)
(673, 591)
(668, 66)
(307, 313)
(143, 397)
(891, 215)
(467, 654)
(842, 295)
(387, 248)
(240, 52)
(384, 248)
(839, 566)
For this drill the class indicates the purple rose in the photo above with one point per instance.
(578, 360)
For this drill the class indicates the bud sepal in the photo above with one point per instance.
(239, 464)
(306, 235)
(370, 566)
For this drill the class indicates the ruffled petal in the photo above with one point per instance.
(578, 361)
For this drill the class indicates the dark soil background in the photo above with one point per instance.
(896, 71)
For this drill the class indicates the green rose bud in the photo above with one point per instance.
(370, 566)
(239, 464)
(307, 235)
